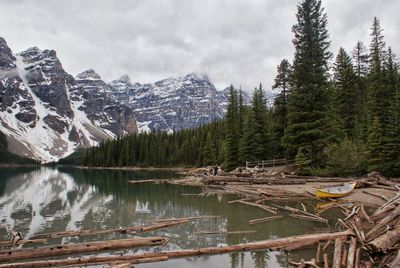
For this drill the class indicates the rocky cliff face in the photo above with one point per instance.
(173, 103)
(46, 113)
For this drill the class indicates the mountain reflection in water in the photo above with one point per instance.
(45, 200)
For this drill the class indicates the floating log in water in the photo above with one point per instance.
(264, 207)
(226, 232)
(259, 245)
(295, 210)
(48, 251)
(149, 181)
(23, 242)
(309, 218)
(134, 229)
(271, 218)
(184, 219)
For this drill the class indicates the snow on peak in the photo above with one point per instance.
(88, 75)
(125, 78)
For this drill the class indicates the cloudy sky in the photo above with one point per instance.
(232, 41)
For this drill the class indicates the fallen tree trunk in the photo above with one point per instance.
(381, 226)
(337, 255)
(351, 253)
(138, 229)
(396, 261)
(259, 245)
(386, 241)
(23, 242)
(263, 207)
(48, 251)
(271, 218)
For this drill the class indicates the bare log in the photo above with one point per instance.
(23, 242)
(396, 261)
(381, 226)
(259, 245)
(357, 263)
(337, 255)
(344, 257)
(388, 203)
(375, 195)
(295, 210)
(263, 207)
(318, 254)
(227, 232)
(48, 251)
(184, 219)
(351, 254)
(135, 229)
(386, 241)
(365, 214)
(326, 261)
(271, 218)
(304, 217)
(368, 264)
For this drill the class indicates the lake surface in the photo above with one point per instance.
(34, 201)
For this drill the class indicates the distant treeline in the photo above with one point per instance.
(188, 147)
(333, 120)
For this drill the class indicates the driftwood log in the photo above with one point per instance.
(57, 250)
(135, 229)
(259, 245)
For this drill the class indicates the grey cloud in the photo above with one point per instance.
(235, 41)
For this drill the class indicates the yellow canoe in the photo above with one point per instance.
(336, 191)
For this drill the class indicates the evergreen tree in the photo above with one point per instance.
(376, 84)
(259, 127)
(307, 106)
(360, 58)
(346, 93)
(282, 83)
(231, 132)
(391, 160)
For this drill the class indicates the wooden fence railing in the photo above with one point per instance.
(269, 163)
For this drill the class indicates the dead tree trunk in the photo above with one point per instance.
(259, 245)
(28, 253)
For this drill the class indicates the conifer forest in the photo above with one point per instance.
(334, 113)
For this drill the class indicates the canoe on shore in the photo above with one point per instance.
(336, 191)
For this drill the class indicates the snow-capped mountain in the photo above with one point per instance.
(173, 103)
(46, 113)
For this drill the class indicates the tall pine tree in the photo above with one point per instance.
(232, 132)
(282, 83)
(346, 93)
(307, 106)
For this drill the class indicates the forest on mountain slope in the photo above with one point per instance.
(333, 119)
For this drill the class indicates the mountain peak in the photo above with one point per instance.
(125, 78)
(89, 74)
(196, 76)
(6, 57)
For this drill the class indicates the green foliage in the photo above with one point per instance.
(308, 101)
(282, 83)
(187, 147)
(232, 132)
(303, 161)
(346, 158)
(346, 97)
